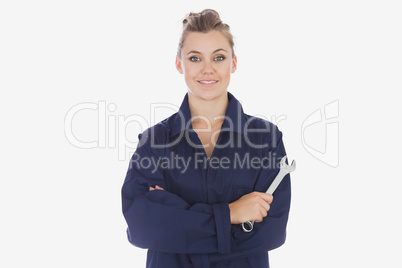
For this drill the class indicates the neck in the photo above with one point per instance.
(212, 111)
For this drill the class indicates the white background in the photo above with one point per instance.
(60, 204)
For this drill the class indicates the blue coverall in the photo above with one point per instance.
(188, 223)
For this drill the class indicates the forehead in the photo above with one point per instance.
(205, 42)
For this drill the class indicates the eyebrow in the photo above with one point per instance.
(197, 52)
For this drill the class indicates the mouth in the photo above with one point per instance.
(207, 83)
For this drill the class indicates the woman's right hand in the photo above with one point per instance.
(253, 206)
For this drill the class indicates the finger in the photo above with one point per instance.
(272, 200)
(264, 204)
(267, 197)
(263, 212)
(151, 188)
(260, 215)
(159, 188)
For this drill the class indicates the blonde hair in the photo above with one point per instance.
(204, 22)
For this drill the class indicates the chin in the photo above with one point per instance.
(208, 95)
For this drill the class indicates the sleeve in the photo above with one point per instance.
(271, 232)
(162, 221)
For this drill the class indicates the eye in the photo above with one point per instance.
(194, 58)
(219, 58)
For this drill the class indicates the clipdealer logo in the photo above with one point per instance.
(112, 128)
(319, 131)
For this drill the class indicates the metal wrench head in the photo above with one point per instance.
(286, 167)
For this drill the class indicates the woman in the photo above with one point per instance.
(197, 175)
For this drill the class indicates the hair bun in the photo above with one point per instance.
(206, 12)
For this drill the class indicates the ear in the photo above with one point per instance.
(234, 64)
(178, 65)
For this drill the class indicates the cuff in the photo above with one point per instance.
(222, 222)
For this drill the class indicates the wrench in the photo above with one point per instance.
(284, 170)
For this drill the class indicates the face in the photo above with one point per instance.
(207, 63)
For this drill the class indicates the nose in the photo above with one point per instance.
(207, 68)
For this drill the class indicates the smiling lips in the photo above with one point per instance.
(207, 83)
